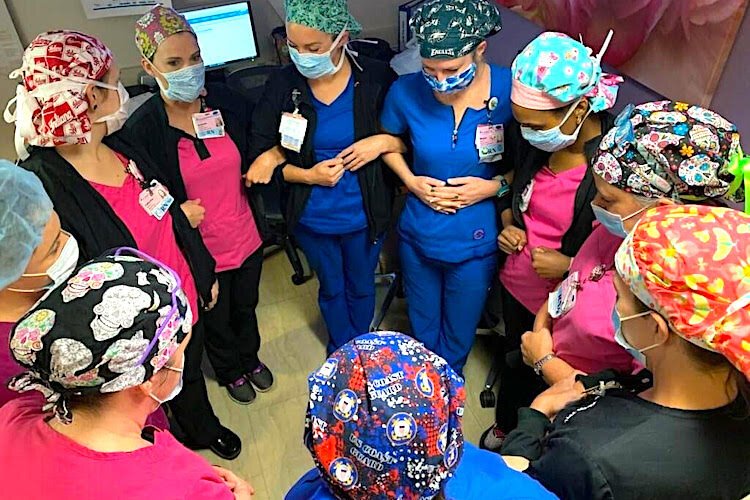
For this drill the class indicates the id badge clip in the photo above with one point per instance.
(208, 125)
(562, 300)
(156, 200)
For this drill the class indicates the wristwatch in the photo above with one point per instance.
(504, 187)
(539, 364)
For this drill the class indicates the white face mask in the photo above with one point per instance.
(60, 270)
(116, 120)
(554, 139)
(177, 388)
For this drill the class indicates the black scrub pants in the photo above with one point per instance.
(232, 337)
(519, 385)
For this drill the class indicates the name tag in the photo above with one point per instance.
(562, 300)
(490, 142)
(209, 125)
(156, 200)
(293, 128)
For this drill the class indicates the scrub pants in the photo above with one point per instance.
(232, 337)
(345, 265)
(446, 301)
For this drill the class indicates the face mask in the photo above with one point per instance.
(184, 85)
(177, 389)
(116, 120)
(452, 84)
(314, 66)
(60, 270)
(613, 222)
(554, 139)
(622, 341)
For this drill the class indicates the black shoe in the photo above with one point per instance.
(227, 444)
(261, 378)
(241, 391)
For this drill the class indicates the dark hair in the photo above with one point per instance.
(90, 403)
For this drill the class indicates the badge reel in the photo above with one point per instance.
(490, 138)
(208, 125)
(562, 300)
(293, 127)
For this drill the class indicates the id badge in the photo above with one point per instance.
(293, 128)
(562, 300)
(526, 196)
(209, 125)
(490, 142)
(156, 200)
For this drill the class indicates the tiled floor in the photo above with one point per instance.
(273, 456)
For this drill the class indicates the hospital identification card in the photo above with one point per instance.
(490, 142)
(562, 300)
(156, 200)
(209, 125)
(293, 128)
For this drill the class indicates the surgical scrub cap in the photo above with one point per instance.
(25, 210)
(328, 16)
(448, 29)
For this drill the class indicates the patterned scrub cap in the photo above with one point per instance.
(554, 70)
(673, 150)
(51, 109)
(328, 16)
(691, 264)
(384, 419)
(157, 25)
(97, 332)
(448, 29)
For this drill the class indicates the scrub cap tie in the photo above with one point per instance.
(448, 29)
(157, 25)
(691, 264)
(109, 327)
(51, 106)
(674, 150)
(25, 210)
(554, 70)
(328, 16)
(384, 419)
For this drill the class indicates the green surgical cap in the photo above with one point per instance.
(25, 210)
(448, 29)
(328, 16)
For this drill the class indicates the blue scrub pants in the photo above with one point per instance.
(446, 301)
(345, 265)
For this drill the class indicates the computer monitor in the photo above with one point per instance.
(226, 33)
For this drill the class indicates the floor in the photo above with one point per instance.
(273, 456)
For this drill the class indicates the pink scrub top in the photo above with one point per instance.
(584, 337)
(38, 462)
(228, 229)
(8, 366)
(154, 237)
(548, 217)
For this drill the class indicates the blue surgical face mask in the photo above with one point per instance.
(185, 85)
(452, 84)
(623, 342)
(613, 222)
(314, 66)
(553, 139)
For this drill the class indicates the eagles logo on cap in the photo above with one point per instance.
(424, 384)
(442, 441)
(327, 370)
(401, 429)
(346, 405)
(451, 455)
(344, 472)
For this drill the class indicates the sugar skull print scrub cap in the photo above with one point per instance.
(109, 327)
(384, 419)
(674, 150)
(691, 264)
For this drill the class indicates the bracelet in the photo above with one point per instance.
(539, 364)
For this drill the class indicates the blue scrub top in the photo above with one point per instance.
(338, 209)
(480, 475)
(411, 106)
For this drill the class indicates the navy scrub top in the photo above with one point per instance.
(338, 209)
(411, 106)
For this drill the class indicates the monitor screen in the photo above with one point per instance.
(225, 33)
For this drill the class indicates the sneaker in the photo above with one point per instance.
(492, 439)
(261, 378)
(241, 391)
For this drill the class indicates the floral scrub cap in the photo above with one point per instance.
(673, 150)
(51, 109)
(109, 327)
(448, 29)
(691, 264)
(554, 71)
(157, 25)
(328, 16)
(384, 419)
